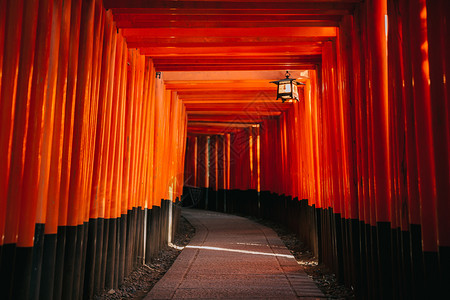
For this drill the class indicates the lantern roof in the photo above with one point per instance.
(287, 79)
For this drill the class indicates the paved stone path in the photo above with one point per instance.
(232, 257)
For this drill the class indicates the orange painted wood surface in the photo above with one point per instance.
(53, 194)
(9, 82)
(20, 123)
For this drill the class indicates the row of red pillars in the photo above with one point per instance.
(91, 151)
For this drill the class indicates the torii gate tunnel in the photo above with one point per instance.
(109, 108)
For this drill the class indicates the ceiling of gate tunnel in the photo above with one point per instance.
(221, 55)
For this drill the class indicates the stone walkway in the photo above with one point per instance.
(232, 257)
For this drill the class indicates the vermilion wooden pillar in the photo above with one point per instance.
(140, 188)
(171, 98)
(348, 116)
(243, 144)
(221, 172)
(124, 199)
(3, 7)
(10, 58)
(14, 111)
(294, 138)
(158, 98)
(90, 232)
(29, 209)
(424, 138)
(97, 203)
(277, 165)
(315, 138)
(182, 151)
(50, 263)
(191, 161)
(47, 92)
(165, 118)
(112, 166)
(131, 79)
(150, 172)
(284, 183)
(227, 161)
(411, 154)
(21, 102)
(133, 111)
(202, 143)
(438, 28)
(212, 161)
(144, 182)
(264, 157)
(63, 231)
(379, 105)
(152, 141)
(255, 157)
(76, 195)
(402, 166)
(333, 154)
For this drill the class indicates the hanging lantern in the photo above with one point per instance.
(287, 88)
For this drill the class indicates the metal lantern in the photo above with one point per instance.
(287, 88)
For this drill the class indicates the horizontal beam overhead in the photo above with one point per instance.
(223, 24)
(236, 113)
(198, 63)
(240, 107)
(231, 67)
(235, 76)
(142, 16)
(225, 85)
(317, 32)
(198, 60)
(232, 51)
(174, 6)
(220, 124)
(251, 119)
(148, 41)
(125, 20)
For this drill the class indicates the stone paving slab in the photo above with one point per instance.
(231, 257)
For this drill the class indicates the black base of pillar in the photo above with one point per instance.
(59, 261)
(69, 262)
(417, 262)
(88, 291)
(444, 263)
(110, 254)
(99, 255)
(38, 252)
(406, 272)
(48, 265)
(432, 280)
(80, 244)
(7, 269)
(22, 273)
(385, 262)
(8, 252)
(122, 249)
